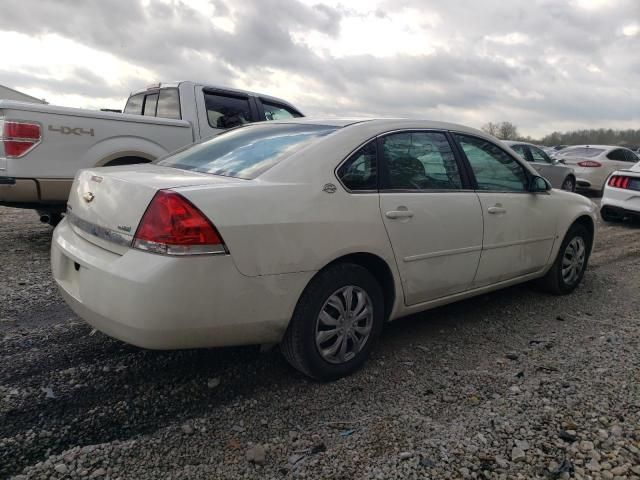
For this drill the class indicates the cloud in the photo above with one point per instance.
(542, 64)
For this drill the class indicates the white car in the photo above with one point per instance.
(621, 196)
(311, 234)
(594, 163)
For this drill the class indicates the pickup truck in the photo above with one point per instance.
(43, 146)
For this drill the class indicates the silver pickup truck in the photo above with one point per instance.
(43, 146)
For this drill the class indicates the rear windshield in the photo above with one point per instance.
(246, 152)
(582, 152)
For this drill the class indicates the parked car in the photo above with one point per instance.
(43, 146)
(621, 196)
(311, 234)
(594, 163)
(556, 172)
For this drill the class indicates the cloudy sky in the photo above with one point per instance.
(543, 64)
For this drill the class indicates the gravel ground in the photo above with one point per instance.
(515, 384)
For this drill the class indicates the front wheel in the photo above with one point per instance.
(336, 323)
(570, 264)
(569, 184)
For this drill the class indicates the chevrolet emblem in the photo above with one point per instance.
(88, 197)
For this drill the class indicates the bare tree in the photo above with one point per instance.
(502, 130)
(491, 128)
(508, 131)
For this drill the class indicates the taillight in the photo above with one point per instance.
(618, 181)
(20, 137)
(172, 225)
(589, 164)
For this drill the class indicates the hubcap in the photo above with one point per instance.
(344, 324)
(573, 260)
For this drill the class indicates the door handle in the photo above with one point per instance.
(399, 214)
(496, 210)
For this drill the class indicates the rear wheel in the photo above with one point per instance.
(569, 184)
(570, 264)
(336, 323)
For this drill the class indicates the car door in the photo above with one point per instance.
(432, 216)
(519, 226)
(617, 159)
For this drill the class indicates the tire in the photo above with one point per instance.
(310, 330)
(55, 219)
(559, 282)
(569, 184)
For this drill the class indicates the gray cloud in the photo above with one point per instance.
(541, 79)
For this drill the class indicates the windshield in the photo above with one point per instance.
(582, 152)
(246, 152)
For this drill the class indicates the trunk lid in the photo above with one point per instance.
(106, 204)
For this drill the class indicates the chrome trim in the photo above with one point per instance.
(519, 242)
(98, 231)
(442, 253)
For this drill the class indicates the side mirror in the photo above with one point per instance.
(539, 184)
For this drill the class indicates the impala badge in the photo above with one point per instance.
(88, 197)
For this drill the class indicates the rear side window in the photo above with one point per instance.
(617, 155)
(224, 111)
(631, 157)
(278, 112)
(150, 103)
(134, 104)
(169, 104)
(360, 171)
(493, 168)
(247, 152)
(419, 161)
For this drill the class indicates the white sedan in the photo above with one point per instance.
(594, 163)
(311, 234)
(621, 196)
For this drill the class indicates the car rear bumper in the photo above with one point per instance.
(163, 302)
(620, 202)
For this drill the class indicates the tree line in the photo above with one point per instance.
(594, 136)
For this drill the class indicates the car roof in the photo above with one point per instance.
(602, 147)
(385, 124)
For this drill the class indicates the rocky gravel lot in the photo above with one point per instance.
(515, 384)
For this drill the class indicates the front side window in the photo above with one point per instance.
(419, 161)
(493, 168)
(278, 112)
(225, 111)
(617, 155)
(247, 152)
(631, 157)
(360, 171)
(134, 104)
(169, 104)
(539, 156)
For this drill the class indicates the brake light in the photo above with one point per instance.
(589, 164)
(618, 181)
(20, 137)
(172, 225)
